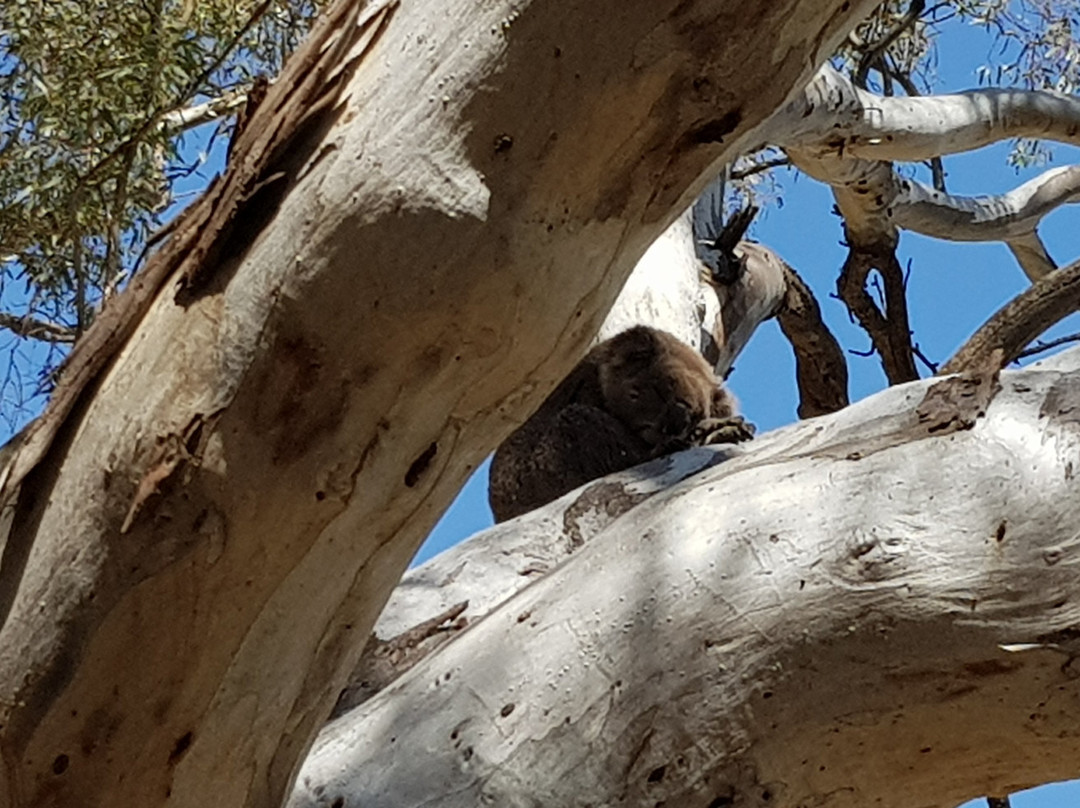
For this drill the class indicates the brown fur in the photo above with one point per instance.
(637, 396)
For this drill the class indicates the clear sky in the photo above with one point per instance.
(952, 289)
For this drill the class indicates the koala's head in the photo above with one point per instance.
(658, 386)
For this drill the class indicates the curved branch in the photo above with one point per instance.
(1020, 321)
(833, 116)
(922, 209)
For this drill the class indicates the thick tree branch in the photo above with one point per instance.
(757, 605)
(854, 148)
(833, 116)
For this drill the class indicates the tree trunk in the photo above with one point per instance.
(868, 608)
(206, 539)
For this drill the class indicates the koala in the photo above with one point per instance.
(637, 396)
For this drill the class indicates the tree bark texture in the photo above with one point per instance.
(868, 608)
(208, 536)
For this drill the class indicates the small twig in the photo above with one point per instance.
(931, 366)
(759, 168)
(1040, 346)
(874, 52)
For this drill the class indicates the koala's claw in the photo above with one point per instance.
(723, 430)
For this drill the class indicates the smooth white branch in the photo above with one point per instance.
(1011, 217)
(180, 120)
(848, 138)
(832, 113)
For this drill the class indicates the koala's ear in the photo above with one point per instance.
(723, 403)
(636, 346)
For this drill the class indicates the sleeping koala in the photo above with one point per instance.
(639, 395)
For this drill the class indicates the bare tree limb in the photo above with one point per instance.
(180, 120)
(1020, 321)
(834, 116)
(1013, 214)
(820, 367)
(848, 138)
(36, 329)
(888, 330)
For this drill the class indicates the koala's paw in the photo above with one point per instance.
(723, 430)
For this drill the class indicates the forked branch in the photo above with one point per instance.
(889, 330)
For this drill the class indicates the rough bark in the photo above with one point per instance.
(868, 608)
(214, 522)
(820, 367)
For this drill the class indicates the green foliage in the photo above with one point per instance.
(88, 153)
